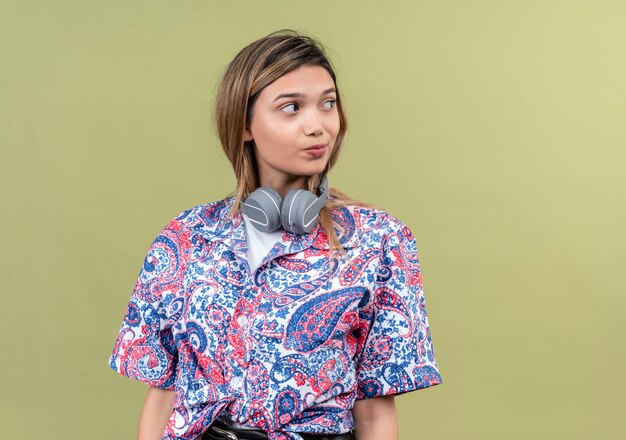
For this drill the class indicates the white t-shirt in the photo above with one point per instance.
(259, 243)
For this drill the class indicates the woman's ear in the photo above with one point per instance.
(247, 135)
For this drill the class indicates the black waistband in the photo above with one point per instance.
(221, 429)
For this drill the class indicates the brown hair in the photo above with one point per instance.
(255, 67)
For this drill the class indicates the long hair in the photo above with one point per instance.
(255, 67)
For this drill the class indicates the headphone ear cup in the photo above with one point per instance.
(295, 215)
(262, 207)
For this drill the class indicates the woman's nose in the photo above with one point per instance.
(313, 125)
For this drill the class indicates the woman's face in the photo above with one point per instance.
(294, 126)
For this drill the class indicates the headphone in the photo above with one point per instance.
(296, 213)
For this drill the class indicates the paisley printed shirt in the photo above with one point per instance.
(289, 347)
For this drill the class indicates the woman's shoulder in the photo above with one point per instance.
(370, 227)
(205, 218)
(370, 217)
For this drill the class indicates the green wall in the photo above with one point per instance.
(494, 129)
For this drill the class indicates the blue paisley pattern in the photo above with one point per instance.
(290, 347)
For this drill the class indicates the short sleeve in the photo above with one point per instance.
(397, 355)
(145, 349)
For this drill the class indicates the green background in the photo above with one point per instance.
(494, 129)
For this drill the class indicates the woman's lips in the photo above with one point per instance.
(316, 150)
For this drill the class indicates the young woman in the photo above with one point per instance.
(286, 310)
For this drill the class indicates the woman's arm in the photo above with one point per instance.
(375, 418)
(156, 411)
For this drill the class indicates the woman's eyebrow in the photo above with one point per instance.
(301, 95)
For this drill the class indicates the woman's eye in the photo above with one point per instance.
(330, 103)
(290, 108)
